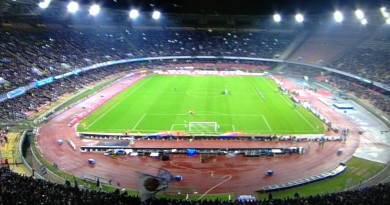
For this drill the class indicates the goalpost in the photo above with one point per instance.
(203, 127)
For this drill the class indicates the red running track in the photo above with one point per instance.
(240, 175)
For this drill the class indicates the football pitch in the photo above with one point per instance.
(194, 105)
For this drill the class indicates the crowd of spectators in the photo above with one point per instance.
(27, 55)
(370, 60)
(18, 189)
(373, 95)
(3, 136)
(17, 109)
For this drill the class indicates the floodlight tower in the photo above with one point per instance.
(364, 21)
(299, 18)
(94, 10)
(133, 14)
(359, 14)
(156, 15)
(277, 18)
(44, 4)
(384, 12)
(73, 7)
(338, 16)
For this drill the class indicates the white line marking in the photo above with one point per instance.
(266, 122)
(139, 121)
(300, 114)
(211, 114)
(174, 125)
(234, 129)
(229, 177)
(259, 93)
(226, 177)
(113, 106)
(290, 103)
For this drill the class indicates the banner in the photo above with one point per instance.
(16, 93)
(43, 82)
(63, 75)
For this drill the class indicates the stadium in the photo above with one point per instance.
(194, 103)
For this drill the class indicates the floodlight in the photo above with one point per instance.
(388, 21)
(156, 15)
(133, 14)
(44, 4)
(338, 16)
(363, 21)
(359, 14)
(73, 7)
(94, 10)
(299, 18)
(277, 18)
(384, 12)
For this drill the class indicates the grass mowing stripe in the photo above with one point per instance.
(300, 114)
(166, 101)
(114, 105)
(259, 93)
(290, 103)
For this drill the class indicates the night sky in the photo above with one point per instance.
(244, 7)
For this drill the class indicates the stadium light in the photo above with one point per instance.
(94, 10)
(299, 18)
(277, 18)
(359, 14)
(73, 7)
(384, 12)
(338, 16)
(156, 15)
(44, 4)
(133, 14)
(388, 21)
(363, 21)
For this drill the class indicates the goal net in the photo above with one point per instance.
(203, 127)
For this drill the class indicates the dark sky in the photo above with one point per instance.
(236, 7)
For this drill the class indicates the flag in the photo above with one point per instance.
(149, 185)
(164, 175)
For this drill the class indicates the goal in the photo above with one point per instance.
(203, 127)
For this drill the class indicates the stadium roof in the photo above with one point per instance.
(193, 13)
(239, 7)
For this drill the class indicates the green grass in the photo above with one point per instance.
(158, 103)
(195, 197)
(358, 170)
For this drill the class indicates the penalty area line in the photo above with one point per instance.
(113, 106)
(266, 122)
(139, 121)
